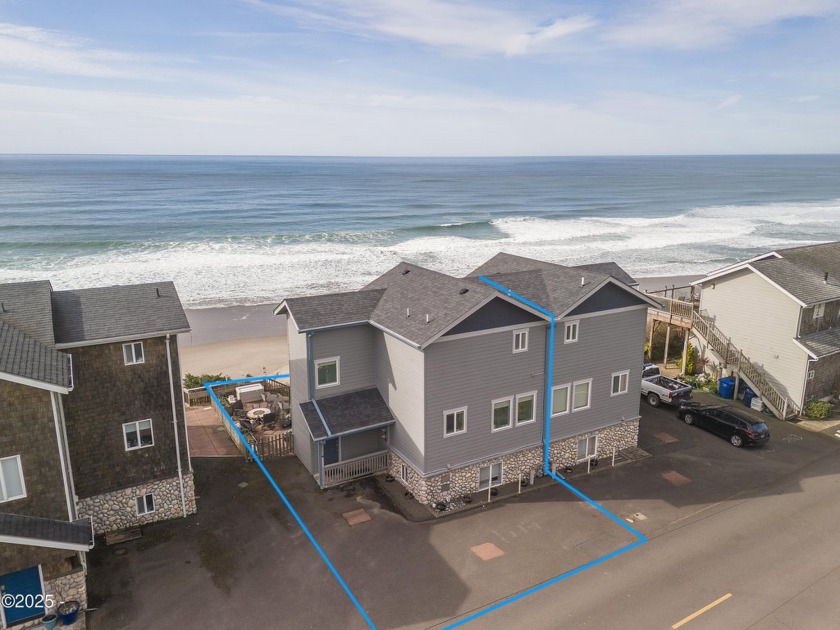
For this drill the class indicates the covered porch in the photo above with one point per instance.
(350, 435)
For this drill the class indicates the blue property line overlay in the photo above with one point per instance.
(642, 539)
(277, 489)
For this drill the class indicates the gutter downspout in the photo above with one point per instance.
(62, 456)
(310, 378)
(175, 427)
(549, 362)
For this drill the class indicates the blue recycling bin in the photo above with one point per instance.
(726, 387)
(748, 396)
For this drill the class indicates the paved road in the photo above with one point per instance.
(756, 523)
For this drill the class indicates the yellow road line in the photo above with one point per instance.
(693, 615)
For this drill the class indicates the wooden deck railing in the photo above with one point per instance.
(680, 308)
(335, 474)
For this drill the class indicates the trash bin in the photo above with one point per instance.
(726, 387)
(749, 394)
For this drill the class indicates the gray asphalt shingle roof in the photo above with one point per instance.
(137, 310)
(822, 343)
(802, 282)
(76, 533)
(333, 309)
(26, 357)
(26, 306)
(610, 269)
(347, 413)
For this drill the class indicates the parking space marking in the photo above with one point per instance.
(675, 478)
(696, 614)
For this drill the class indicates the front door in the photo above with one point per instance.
(22, 595)
(331, 452)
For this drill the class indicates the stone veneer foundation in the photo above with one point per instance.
(463, 481)
(118, 510)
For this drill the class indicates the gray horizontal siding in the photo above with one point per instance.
(363, 443)
(304, 448)
(399, 377)
(471, 372)
(354, 346)
(607, 343)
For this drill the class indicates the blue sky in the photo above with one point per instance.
(419, 77)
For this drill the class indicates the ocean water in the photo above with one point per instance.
(250, 230)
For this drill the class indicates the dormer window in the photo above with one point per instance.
(133, 353)
(520, 341)
(819, 310)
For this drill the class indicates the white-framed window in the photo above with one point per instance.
(560, 399)
(502, 410)
(490, 476)
(145, 504)
(327, 372)
(454, 421)
(526, 408)
(819, 310)
(587, 448)
(133, 353)
(138, 434)
(581, 395)
(619, 382)
(520, 340)
(404, 472)
(12, 485)
(811, 374)
(570, 332)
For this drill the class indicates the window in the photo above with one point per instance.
(11, 479)
(138, 434)
(580, 399)
(571, 332)
(525, 408)
(560, 399)
(811, 374)
(490, 476)
(819, 310)
(404, 473)
(145, 504)
(454, 421)
(327, 372)
(520, 340)
(587, 447)
(133, 353)
(619, 382)
(502, 409)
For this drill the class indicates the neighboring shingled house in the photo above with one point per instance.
(782, 310)
(443, 380)
(92, 434)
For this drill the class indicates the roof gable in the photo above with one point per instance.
(24, 359)
(26, 306)
(608, 297)
(497, 313)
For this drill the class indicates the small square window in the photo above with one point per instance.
(619, 383)
(133, 353)
(138, 434)
(146, 504)
(454, 421)
(811, 374)
(560, 399)
(571, 332)
(502, 413)
(490, 476)
(581, 395)
(525, 408)
(819, 310)
(520, 340)
(587, 448)
(11, 479)
(326, 371)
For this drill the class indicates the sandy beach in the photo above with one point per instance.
(242, 340)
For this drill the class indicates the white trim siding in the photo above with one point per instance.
(319, 362)
(588, 383)
(509, 401)
(623, 382)
(490, 331)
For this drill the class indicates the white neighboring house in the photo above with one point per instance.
(782, 310)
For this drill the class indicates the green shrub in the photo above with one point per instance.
(191, 381)
(818, 410)
(690, 356)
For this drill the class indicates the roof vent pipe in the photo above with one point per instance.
(825, 278)
(408, 312)
(462, 291)
(427, 318)
(583, 281)
(157, 291)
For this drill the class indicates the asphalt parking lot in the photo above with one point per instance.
(244, 562)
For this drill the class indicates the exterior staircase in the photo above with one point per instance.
(731, 357)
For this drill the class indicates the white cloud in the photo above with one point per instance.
(468, 28)
(31, 48)
(730, 101)
(701, 23)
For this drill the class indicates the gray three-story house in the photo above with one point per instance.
(442, 380)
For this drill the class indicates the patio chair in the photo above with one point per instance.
(269, 420)
(246, 423)
(286, 420)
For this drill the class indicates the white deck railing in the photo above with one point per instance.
(335, 474)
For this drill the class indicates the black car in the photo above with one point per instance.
(736, 426)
